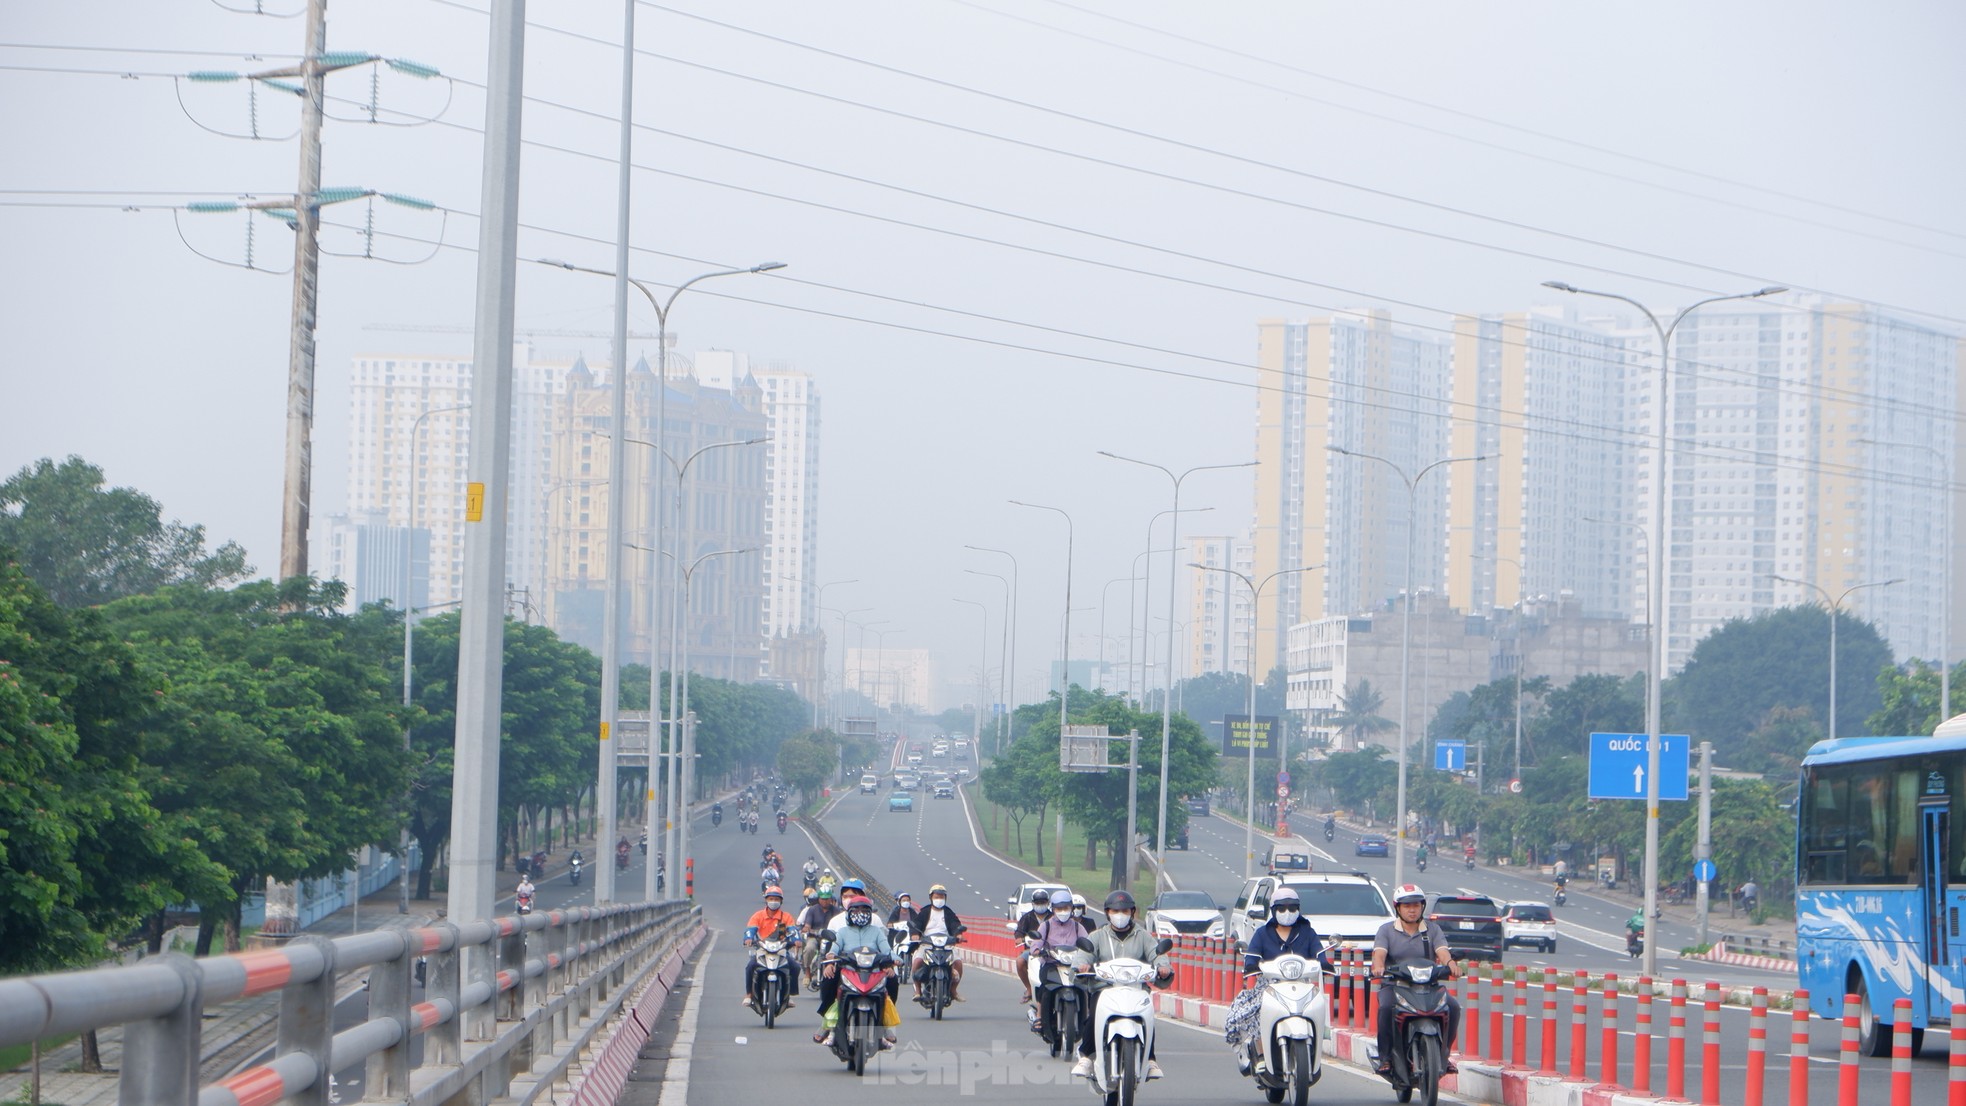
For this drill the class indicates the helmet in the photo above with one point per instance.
(902, 895)
(767, 851)
(773, 892)
(826, 894)
(854, 885)
(1119, 900)
(1283, 896)
(1078, 899)
(812, 895)
(937, 889)
(1409, 892)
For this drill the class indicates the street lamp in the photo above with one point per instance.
(1520, 575)
(1010, 678)
(1406, 631)
(844, 615)
(1661, 573)
(1167, 698)
(681, 713)
(1835, 607)
(1945, 571)
(1003, 665)
(820, 691)
(1065, 680)
(982, 675)
(1255, 600)
(611, 618)
(1146, 575)
(1129, 581)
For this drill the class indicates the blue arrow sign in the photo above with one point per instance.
(1618, 766)
(1705, 871)
(1451, 756)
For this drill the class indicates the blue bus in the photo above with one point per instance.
(1881, 878)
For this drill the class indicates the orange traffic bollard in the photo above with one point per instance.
(1847, 1056)
(1676, 1043)
(1757, 1047)
(1642, 1039)
(1580, 1022)
(1799, 1048)
(1519, 1030)
(1900, 1053)
(1548, 1064)
(1607, 1053)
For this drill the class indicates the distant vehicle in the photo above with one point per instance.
(943, 789)
(1020, 903)
(1372, 844)
(900, 803)
(962, 749)
(1344, 907)
(939, 751)
(869, 784)
(907, 782)
(1529, 923)
(1472, 922)
(1193, 913)
(1288, 855)
(1197, 805)
(914, 756)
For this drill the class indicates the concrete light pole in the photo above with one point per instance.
(1003, 666)
(1146, 574)
(1065, 679)
(1661, 572)
(1010, 673)
(688, 772)
(1167, 698)
(1835, 611)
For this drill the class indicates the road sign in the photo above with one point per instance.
(1283, 779)
(1283, 792)
(1515, 787)
(1618, 766)
(1705, 871)
(1451, 756)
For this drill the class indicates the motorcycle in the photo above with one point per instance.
(573, 872)
(767, 879)
(812, 879)
(716, 818)
(1061, 995)
(903, 941)
(771, 982)
(1420, 861)
(1330, 832)
(645, 842)
(1123, 1026)
(938, 974)
(525, 904)
(1471, 860)
(1290, 1024)
(621, 858)
(1635, 943)
(1419, 1058)
(1561, 897)
(781, 822)
(861, 998)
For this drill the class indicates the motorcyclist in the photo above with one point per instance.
(1410, 936)
(751, 821)
(524, 892)
(819, 912)
(933, 919)
(811, 871)
(1119, 939)
(1287, 931)
(621, 853)
(539, 864)
(860, 930)
(1750, 896)
(849, 890)
(828, 881)
(1027, 927)
(1421, 854)
(903, 912)
(1330, 825)
(1078, 910)
(1634, 931)
(1058, 930)
(766, 923)
(717, 809)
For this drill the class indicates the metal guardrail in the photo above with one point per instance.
(508, 998)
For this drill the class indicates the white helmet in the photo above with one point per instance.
(1409, 892)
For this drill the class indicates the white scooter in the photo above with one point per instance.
(1123, 1027)
(1291, 1024)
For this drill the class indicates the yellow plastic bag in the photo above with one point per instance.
(890, 1017)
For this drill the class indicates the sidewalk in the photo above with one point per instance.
(239, 1030)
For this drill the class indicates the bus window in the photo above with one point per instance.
(1883, 825)
(1825, 813)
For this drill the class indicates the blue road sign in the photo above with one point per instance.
(1451, 756)
(1618, 766)
(1705, 871)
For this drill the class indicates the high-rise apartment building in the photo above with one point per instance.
(1219, 606)
(1356, 382)
(1542, 399)
(790, 565)
(375, 560)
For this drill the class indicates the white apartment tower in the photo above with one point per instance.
(1219, 605)
(791, 563)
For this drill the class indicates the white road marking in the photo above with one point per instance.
(675, 1078)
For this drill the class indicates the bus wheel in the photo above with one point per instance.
(1873, 1033)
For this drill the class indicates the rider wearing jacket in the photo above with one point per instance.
(1027, 927)
(1410, 936)
(766, 923)
(935, 918)
(1287, 931)
(859, 931)
(1122, 937)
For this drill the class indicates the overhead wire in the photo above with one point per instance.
(1608, 151)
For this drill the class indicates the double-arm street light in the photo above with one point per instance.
(1406, 631)
(1167, 698)
(1146, 574)
(1656, 667)
(1003, 662)
(1835, 606)
(1255, 604)
(1065, 680)
(1010, 672)
(982, 675)
(1945, 568)
(611, 617)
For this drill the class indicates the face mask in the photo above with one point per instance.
(1120, 921)
(859, 919)
(1287, 917)
(938, 901)
(1078, 912)
(1041, 907)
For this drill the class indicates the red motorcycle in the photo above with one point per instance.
(621, 856)
(862, 997)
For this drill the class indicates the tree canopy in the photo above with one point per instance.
(1780, 658)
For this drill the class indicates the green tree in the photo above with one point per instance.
(1595, 703)
(84, 854)
(1753, 835)
(1096, 801)
(1357, 778)
(1909, 699)
(807, 761)
(1777, 744)
(1024, 780)
(1358, 717)
(86, 544)
(1778, 658)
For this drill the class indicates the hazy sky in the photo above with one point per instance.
(1329, 155)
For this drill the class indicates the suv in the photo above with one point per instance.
(1472, 922)
(1346, 908)
(1529, 923)
(1020, 903)
(869, 783)
(1185, 912)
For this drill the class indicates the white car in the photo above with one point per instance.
(1529, 923)
(1346, 908)
(1020, 903)
(1186, 913)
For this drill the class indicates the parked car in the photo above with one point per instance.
(1344, 907)
(1472, 922)
(900, 802)
(1193, 913)
(1372, 844)
(1530, 924)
